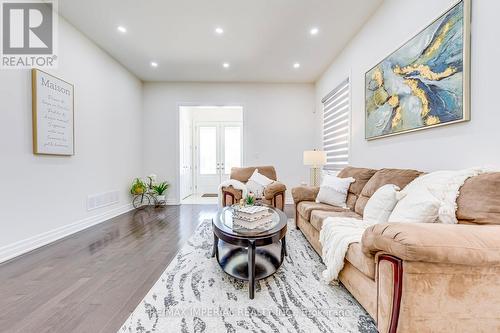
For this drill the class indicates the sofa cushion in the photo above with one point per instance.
(244, 174)
(361, 261)
(318, 216)
(479, 200)
(362, 176)
(398, 177)
(306, 207)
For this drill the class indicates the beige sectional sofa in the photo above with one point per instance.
(418, 277)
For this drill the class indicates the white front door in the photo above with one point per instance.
(218, 149)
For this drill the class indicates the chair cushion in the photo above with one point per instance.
(479, 200)
(361, 261)
(362, 176)
(318, 216)
(306, 207)
(398, 177)
(244, 174)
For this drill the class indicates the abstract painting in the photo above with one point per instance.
(425, 83)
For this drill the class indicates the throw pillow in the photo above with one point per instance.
(381, 204)
(417, 206)
(333, 190)
(328, 173)
(260, 178)
(255, 188)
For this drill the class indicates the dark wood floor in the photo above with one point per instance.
(92, 280)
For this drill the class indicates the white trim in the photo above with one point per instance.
(172, 202)
(29, 244)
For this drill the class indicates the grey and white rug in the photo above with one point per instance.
(195, 295)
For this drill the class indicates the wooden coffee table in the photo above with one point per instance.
(249, 255)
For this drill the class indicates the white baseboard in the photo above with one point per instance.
(26, 245)
(172, 202)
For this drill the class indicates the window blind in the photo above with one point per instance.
(336, 126)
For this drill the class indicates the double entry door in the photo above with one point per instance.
(219, 147)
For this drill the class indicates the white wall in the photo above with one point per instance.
(44, 197)
(454, 146)
(279, 124)
(233, 114)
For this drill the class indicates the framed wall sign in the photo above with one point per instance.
(53, 115)
(426, 82)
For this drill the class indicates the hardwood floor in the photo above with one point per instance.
(91, 281)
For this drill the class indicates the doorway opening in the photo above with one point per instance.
(211, 143)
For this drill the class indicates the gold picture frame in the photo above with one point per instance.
(57, 85)
(466, 55)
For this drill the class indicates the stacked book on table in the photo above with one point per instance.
(252, 217)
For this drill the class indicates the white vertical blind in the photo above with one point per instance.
(336, 126)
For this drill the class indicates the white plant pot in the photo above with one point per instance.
(160, 197)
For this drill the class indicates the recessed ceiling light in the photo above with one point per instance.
(219, 31)
(296, 65)
(226, 65)
(314, 31)
(121, 29)
(154, 64)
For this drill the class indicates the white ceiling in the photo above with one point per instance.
(262, 38)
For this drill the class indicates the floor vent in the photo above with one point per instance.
(100, 200)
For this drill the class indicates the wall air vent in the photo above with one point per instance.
(100, 200)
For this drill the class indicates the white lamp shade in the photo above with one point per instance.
(314, 158)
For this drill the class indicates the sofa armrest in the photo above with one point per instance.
(471, 245)
(274, 188)
(304, 193)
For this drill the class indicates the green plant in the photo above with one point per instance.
(250, 199)
(161, 188)
(138, 187)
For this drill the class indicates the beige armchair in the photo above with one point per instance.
(274, 194)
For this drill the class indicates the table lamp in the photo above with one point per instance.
(315, 159)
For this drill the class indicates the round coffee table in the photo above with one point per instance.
(249, 254)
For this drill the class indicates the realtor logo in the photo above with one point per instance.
(28, 34)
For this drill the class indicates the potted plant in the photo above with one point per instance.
(250, 199)
(138, 187)
(160, 189)
(151, 180)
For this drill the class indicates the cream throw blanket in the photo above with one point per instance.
(338, 233)
(335, 237)
(234, 183)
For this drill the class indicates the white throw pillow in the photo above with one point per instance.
(260, 178)
(417, 206)
(333, 190)
(255, 188)
(328, 173)
(381, 204)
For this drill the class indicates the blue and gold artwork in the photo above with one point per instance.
(422, 83)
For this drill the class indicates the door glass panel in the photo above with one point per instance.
(208, 150)
(232, 148)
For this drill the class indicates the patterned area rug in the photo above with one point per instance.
(195, 295)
